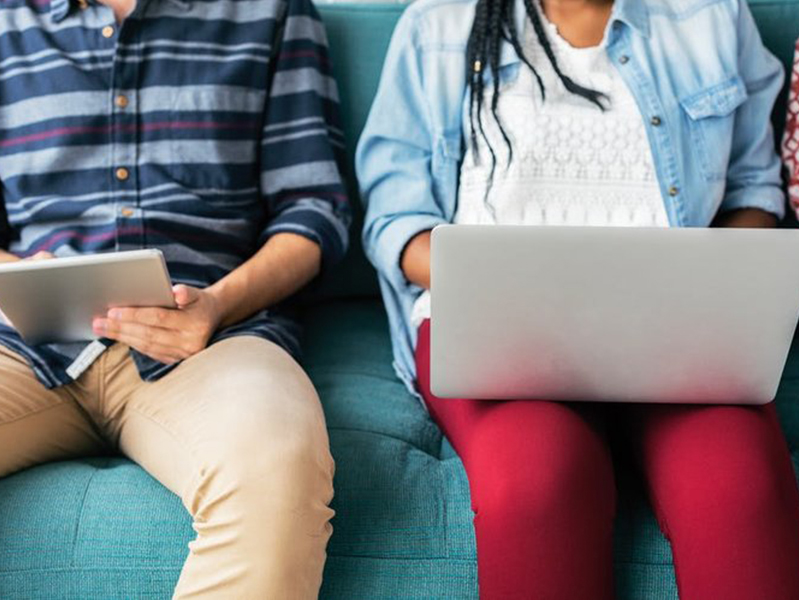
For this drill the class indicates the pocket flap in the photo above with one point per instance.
(717, 101)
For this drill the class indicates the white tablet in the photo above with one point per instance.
(56, 300)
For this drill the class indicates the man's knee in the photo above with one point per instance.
(271, 442)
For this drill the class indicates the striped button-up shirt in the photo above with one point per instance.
(199, 127)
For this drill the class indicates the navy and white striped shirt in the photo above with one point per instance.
(199, 127)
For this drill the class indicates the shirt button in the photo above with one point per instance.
(108, 31)
(624, 59)
(121, 101)
(655, 121)
(122, 174)
(673, 191)
(126, 212)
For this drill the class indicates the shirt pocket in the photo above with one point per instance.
(711, 124)
(447, 154)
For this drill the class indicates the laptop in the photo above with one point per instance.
(612, 314)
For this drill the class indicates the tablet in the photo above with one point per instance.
(55, 300)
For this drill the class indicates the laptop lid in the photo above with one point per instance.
(612, 314)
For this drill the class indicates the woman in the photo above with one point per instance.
(585, 112)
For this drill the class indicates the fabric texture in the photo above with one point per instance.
(790, 142)
(103, 529)
(543, 492)
(198, 128)
(262, 522)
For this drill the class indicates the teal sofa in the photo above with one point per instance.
(101, 528)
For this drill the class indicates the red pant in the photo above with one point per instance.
(719, 477)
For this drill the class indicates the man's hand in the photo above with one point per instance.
(40, 256)
(167, 335)
(7, 257)
(287, 261)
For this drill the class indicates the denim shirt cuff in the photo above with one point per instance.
(768, 198)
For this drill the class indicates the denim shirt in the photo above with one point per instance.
(704, 83)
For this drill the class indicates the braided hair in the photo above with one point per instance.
(494, 22)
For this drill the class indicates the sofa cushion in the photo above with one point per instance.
(103, 528)
(91, 528)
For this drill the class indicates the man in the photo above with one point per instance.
(208, 130)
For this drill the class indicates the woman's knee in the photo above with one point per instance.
(737, 470)
(562, 470)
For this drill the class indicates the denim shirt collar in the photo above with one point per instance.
(632, 13)
(59, 9)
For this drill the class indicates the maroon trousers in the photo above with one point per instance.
(720, 481)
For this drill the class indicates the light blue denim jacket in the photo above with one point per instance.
(699, 66)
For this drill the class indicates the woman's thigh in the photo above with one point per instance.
(723, 488)
(542, 489)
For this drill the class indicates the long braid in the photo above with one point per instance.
(494, 44)
(475, 58)
(512, 37)
(494, 21)
(568, 82)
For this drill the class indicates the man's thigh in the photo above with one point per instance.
(36, 424)
(237, 399)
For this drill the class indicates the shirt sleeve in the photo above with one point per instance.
(394, 156)
(5, 228)
(790, 143)
(754, 174)
(302, 145)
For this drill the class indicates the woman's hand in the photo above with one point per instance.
(167, 335)
(745, 217)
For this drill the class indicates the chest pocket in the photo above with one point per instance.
(711, 122)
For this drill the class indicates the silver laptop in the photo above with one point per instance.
(612, 314)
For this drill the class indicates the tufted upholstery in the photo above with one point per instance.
(101, 528)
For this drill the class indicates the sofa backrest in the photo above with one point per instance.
(359, 34)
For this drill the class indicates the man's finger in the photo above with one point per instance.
(151, 316)
(41, 256)
(185, 295)
(155, 350)
(113, 329)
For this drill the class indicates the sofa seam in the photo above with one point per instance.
(354, 556)
(73, 559)
(393, 437)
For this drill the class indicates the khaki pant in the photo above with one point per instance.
(236, 431)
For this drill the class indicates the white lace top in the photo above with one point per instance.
(572, 164)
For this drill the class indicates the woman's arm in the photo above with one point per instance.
(415, 260)
(754, 179)
(393, 161)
